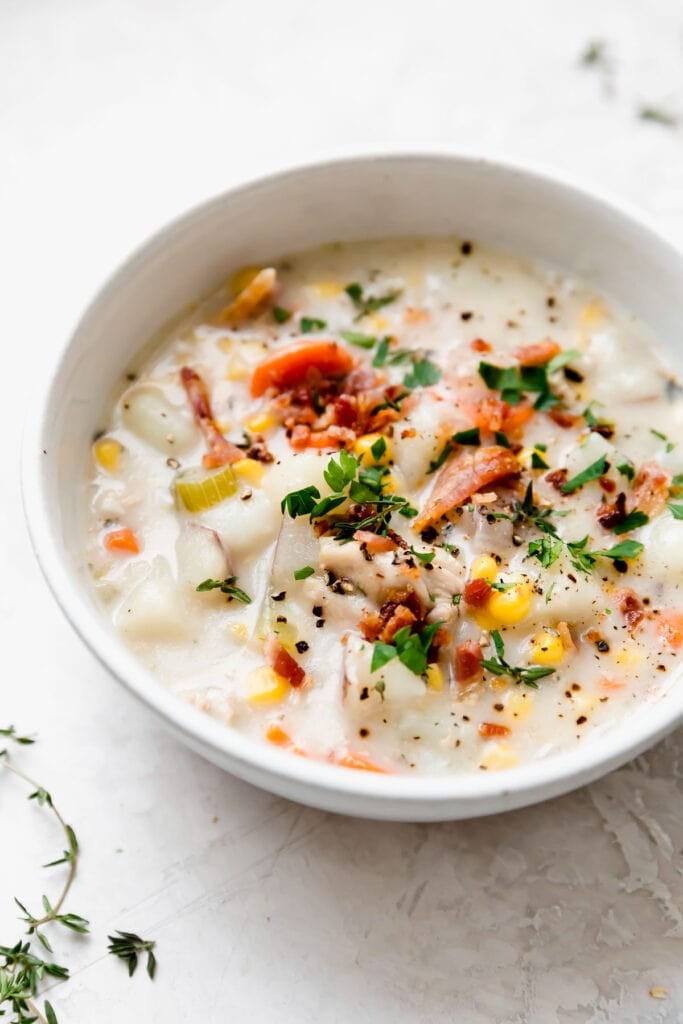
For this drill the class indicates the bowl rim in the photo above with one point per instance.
(252, 758)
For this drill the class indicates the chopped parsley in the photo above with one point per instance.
(627, 469)
(662, 437)
(304, 573)
(385, 354)
(675, 510)
(514, 381)
(592, 472)
(280, 315)
(423, 374)
(378, 448)
(467, 437)
(632, 521)
(498, 666)
(368, 304)
(676, 484)
(502, 439)
(526, 511)
(426, 557)
(411, 649)
(584, 560)
(227, 587)
(537, 461)
(561, 360)
(547, 550)
(357, 338)
(310, 324)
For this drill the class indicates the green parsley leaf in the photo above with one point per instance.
(423, 374)
(624, 549)
(627, 469)
(632, 521)
(310, 324)
(457, 598)
(426, 557)
(304, 573)
(362, 340)
(562, 359)
(381, 353)
(592, 472)
(378, 448)
(300, 503)
(471, 437)
(675, 510)
(281, 315)
(502, 439)
(381, 654)
(547, 550)
(676, 483)
(368, 304)
(538, 462)
(227, 587)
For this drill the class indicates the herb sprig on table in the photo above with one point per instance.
(22, 964)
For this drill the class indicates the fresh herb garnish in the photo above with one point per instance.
(595, 53)
(128, 946)
(537, 461)
(584, 560)
(502, 439)
(304, 573)
(514, 381)
(281, 315)
(627, 469)
(675, 510)
(662, 437)
(526, 511)
(300, 503)
(456, 599)
(386, 355)
(357, 338)
(561, 360)
(227, 587)
(310, 324)
(659, 116)
(498, 666)
(368, 304)
(391, 403)
(592, 472)
(426, 557)
(411, 649)
(547, 550)
(423, 374)
(378, 448)
(632, 521)
(676, 484)
(466, 437)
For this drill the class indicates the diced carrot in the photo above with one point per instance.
(276, 735)
(479, 345)
(670, 628)
(487, 729)
(374, 543)
(124, 541)
(537, 354)
(290, 366)
(359, 762)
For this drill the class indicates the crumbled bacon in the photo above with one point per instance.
(479, 345)
(557, 478)
(563, 418)
(631, 607)
(488, 729)
(468, 667)
(607, 485)
(383, 625)
(221, 451)
(537, 354)
(610, 516)
(650, 489)
(477, 592)
(282, 662)
(464, 474)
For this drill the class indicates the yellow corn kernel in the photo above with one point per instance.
(505, 608)
(391, 484)
(628, 657)
(249, 469)
(362, 446)
(236, 369)
(266, 686)
(547, 647)
(484, 567)
(518, 706)
(108, 453)
(592, 314)
(240, 630)
(434, 677)
(224, 426)
(260, 423)
(326, 289)
(376, 323)
(498, 756)
(584, 703)
(242, 279)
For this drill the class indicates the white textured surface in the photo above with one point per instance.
(114, 116)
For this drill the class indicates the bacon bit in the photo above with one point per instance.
(282, 662)
(485, 498)
(477, 592)
(373, 624)
(468, 669)
(515, 417)
(631, 607)
(610, 516)
(650, 489)
(487, 729)
(612, 685)
(334, 437)
(607, 485)
(563, 418)
(565, 636)
(409, 432)
(415, 315)
(373, 542)
(670, 628)
(357, 761)
(401, 617)
(260, 288)
(291, 366)
(537, 354)
(462, 476)
(479, 345)
(557, 478)
(221, 451)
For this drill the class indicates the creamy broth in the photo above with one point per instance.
(498, 577)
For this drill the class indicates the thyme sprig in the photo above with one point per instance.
(498, 666)
(128, 946)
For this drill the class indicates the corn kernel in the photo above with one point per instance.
(249, 469)
(363, 447)
(484, 567)
(584, 703)
(242, 279)
(265, 686)
(498, 756)
(326, 289)
(108, 453)
(260, 423)
(518, 706)
(592, 314)
(240, 630)
(434, 677)
(236, 369)
(526, 455)
(376, 323)
(391, 484)
(547, 648)
(505, 608)
(628, 657)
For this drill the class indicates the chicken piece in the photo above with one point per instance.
(463, 475)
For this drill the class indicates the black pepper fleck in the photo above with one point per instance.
(301, 646)
(281, 596)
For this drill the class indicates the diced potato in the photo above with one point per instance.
(154, 609)
(200, 555)
(149, 414)
(498, 756)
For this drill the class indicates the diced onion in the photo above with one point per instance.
(199, 489)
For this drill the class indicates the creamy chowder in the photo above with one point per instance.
(404, 506)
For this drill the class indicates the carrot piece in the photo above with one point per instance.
(493, 729)
(123, 540)
(276, 735)
(479, 345)
(359, 762)
(538, 353)
(670, 628)
(515, 417)
(290, 366)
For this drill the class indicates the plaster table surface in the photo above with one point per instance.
(114, 116)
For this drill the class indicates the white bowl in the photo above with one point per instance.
(495, 203)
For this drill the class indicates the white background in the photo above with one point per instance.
(114, 116)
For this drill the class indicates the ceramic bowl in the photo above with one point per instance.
(492, 202)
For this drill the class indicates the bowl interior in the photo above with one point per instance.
(375, 197)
